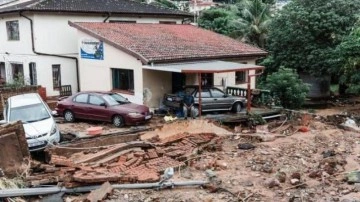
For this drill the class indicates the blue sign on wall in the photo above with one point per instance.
(92, 49)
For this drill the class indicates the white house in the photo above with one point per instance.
(144, 61)
(37, 43)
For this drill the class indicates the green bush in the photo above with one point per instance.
(286, 85)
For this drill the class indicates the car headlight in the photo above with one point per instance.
(134, 114)
(53, 129)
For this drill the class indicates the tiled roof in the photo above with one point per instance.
(167, 42)
(93, 6)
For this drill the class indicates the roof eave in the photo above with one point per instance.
(240, 56)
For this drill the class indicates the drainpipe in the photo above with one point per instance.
(107, 17)
(54, 55)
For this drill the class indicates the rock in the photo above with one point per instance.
(210, 174)
(247, 183)
(295, 175)
(345, 192)
(281, 176)
(272, 182)
(267, 168)
(267, 138)
(294, 181)
(353, 177)
(246, 146)
(333, 193)
(328, 153)
(221, 164)
(126, 196)
(315, 174)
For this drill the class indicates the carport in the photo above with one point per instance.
(212, 66)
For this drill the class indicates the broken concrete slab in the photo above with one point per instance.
(14, 148)
(101, 193)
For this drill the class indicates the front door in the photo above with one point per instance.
(95, 110)
(178, 81)
(207, 79)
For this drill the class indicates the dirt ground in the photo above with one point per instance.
(296, 166)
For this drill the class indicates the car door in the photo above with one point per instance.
(97, 108)
(80, 106)
(205, 99)
(219, 99)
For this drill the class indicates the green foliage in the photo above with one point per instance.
(17, 82)
(217, 20)
(253, 22)
(349, 54)
(287, 86)
(256, 119)
(305, 33)
(165, 4)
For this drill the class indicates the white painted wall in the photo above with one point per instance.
(53, 35)
(96, 74)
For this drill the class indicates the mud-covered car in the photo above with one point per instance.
(212, 99)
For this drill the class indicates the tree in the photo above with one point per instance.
(349, 52)
(305, 33)
(287, 86)
(252, 24)
(217, 20)
(165, 4)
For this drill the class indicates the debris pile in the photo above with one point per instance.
(130, 162)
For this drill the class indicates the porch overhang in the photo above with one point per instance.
(213, 66)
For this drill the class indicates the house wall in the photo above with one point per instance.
(52, 35)
(96, 74)
(158, 82)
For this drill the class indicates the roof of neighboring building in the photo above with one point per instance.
(92, 6)
(168, 42)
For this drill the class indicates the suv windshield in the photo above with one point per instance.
(29, 113)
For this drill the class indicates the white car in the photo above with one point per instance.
(39, 124)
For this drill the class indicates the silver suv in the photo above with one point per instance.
(212, 99)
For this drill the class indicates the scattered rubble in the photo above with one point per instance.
(301, 158)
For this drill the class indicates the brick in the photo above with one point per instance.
(161, 163)
(130, 162)
(139, 154)
(95, 177)
(122, 159)
(152, 153)
(138, 162)
(100, 194)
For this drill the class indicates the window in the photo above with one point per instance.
(12, 28)
(17, 72)
(82, 98)
(32, 73)
(205, 93)
(95, 100)
(167, 22)
(216, 93)
(240, 77)
(56, 73)
(123, 79)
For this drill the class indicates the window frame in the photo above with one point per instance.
(13, 35)
(58, 85)
(244, 80)
(130, 81)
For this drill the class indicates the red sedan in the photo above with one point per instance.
(102, 106)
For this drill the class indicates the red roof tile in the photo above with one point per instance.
(167, 42)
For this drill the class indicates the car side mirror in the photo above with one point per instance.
(226, 95)
(2, 122)
(103, 104)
